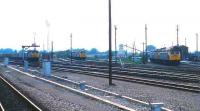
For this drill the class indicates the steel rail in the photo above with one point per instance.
(1, 107)
(20, 94)
(139, 80)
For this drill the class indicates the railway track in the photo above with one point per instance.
(191, 71)
(136, 80)
(1, 107)
(179, 69)
(133, 72)
(183, 68)
(13, 100)
(81, 69)
(155, 67)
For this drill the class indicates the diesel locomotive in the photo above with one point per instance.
(168, 56)
(32, 56)
(78, 54)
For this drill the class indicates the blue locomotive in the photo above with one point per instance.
(169, 56)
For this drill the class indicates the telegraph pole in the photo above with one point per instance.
(143, 60)
(185, 41)
(177, 35)
(197, 45)
(110, 43)
(126, 50)
(71, 47)
(34, 34)
(43, 46)
(52, 50)
(133, 49)
(146, 55)
(48, 25)
(115, 44)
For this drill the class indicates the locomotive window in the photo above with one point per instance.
(174, 52)
(177, 52)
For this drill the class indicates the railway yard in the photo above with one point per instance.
(83, 85)
(99, 55)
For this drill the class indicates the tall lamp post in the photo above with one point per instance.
(48, 25)
(133, 50)
(143, 60)
(177, 29)
(115, 44)
(197, 42)
(110, 43)
(71, 47)
(51, 50)
(146, 55)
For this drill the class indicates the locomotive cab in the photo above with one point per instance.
(32, 57)
(174, 54)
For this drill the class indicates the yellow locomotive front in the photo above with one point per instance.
(33, 57)
(82, 55)
(174, 56)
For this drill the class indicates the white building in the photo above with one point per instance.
(121, 53)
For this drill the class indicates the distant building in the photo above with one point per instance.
(184, 52)
(194, 56)
(121, 47)
(121, 53)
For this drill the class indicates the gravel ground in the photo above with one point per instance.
(173, 99)
(51, 97)
(134, 105)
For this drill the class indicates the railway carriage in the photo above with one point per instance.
(170, 56)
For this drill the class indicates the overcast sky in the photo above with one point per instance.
(87, 20)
